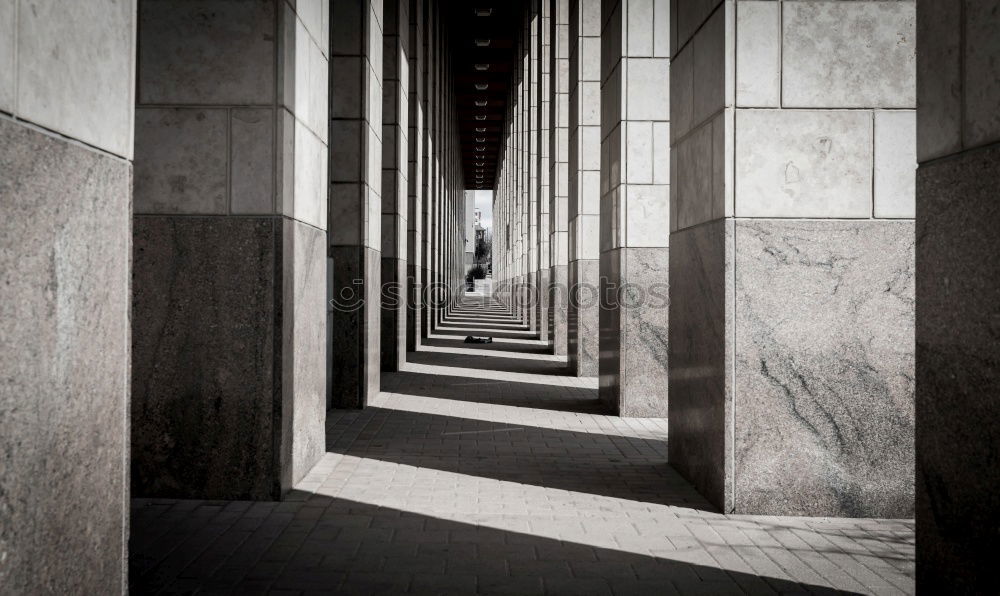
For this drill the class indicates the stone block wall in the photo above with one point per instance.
(66, 116)
(792, 255)
(229, 259)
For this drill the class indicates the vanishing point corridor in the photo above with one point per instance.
(483, 468)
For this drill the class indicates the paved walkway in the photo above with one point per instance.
(482, 468)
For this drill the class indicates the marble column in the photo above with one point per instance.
(584, 186)
(416, 155)
(957, 290)
(395, 185)
(792, 255)
(65, 238)
(544, 108)
(229, 271)
(355, 201)
(558, 173)
(634, 208)
(531, 101)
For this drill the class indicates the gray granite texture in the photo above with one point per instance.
(393, 315)
(958, 430)
(699, 379)
(206, 355)
(582, 319)
(824, 368)
(544, 312)
(414, 305)
(587, 305)
(532, 291)
(355, 350)
(609, 331)
(303, 385)
(633, 331)
(64, 353)
(558, 306)
(792, 362)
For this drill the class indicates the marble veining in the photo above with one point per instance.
(824, 367)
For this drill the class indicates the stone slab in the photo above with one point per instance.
(64, 353)
(303, 367)
(206, 342)
(225, 55)
(824, 368)
(75, 70)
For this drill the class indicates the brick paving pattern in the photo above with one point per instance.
(484, 469)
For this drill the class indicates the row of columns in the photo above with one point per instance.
(718, 224)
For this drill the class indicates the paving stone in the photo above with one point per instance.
(467, 476)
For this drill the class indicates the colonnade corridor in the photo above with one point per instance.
(484, 468)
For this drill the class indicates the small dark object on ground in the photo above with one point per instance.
(469, 339)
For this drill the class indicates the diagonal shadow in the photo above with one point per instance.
(616, 466)
(320, 544)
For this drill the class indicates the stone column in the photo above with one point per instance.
(427, 167)
(416, 154)
(558, 172)
(355, 200)
(532, 166)
(395, 169)
(958, 432)
(544, 165)
(791, 264)
(229, 280)
(634, 207)
(65, 241)
(584, 185)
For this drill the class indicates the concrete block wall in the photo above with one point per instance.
(634, 210)
(229, 231)
(584, 184)
(958, 128)
(66, 119)
(792, 247)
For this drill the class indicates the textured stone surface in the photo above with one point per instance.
(645, 306)
(583, 317)
(181, 160)
(205, 319)
(226, 54)
(895, 164)
(8, 55)
(558, 303)
(303, 365)
(958, 506)
(393, 315)
(64, 353)
(354, 324)
(803, 163)
(849, 54)
(75, 69)
(251, 149)
(633, 331)
(824, 368)
(701, 290)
